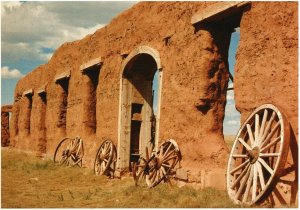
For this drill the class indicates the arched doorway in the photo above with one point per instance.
(138, 124)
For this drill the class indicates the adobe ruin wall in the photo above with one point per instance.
(195, 77)
(5, 135)
(131, 29)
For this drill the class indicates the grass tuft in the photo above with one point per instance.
(61, 197)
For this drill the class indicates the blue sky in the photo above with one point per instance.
(31, 31)
(232, 116)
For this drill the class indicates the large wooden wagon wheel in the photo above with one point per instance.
(105, 161)
(69, 152)
(258, 155)
(157, 166)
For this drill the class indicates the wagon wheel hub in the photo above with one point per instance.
(155, 163)
(66, 153)
(152, 163)
(253, 155)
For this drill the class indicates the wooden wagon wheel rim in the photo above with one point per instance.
(105, 158)
(69, 152)
(258, 155)
(162, 163)
(58, 156)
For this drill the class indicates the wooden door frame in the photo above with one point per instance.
(123, 147)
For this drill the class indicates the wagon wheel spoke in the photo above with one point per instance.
(261, 175)
(62, 159)
(244, 144)
(250, 135)
(258, 155)
(256, 126)
(269, 125)
(254, 184)
(170, 158)
(268, 146)
(77, 153)
(105, 159)
(138, 176)
(269, 154)
(243, 173)
(239, 167)
(243, 182)
(263, 123)
(266, 166)
(147, 154)
(139, 170)
(249, 184)
(270, 135)
(239, 156)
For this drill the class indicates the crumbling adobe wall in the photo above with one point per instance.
(266, 71)
(27, 134)
(195, 77)
(267, 59)
(193, 69)
(5, 136)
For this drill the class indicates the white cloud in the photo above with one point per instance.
(232, 116)
(26, 31)
(230, 95)
(230, 110)
(30, 27)
(9, 6)
(7, 73)
(232, 122)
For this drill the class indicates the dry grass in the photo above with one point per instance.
(229, 139)
(29, 182)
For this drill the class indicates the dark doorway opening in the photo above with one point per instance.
(137, 118)
(42, 143)
(62, 118)
(90, 117)
(28, 113)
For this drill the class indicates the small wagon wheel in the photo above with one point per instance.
(105, 161)
(161, 164)
(69, 152)
(258, 155)
(141, 168)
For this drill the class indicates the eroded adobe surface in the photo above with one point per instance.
(183, 76)
(5, 136)
(195, 77)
